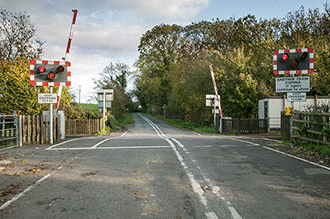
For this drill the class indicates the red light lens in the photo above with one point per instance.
(285, 57)
(42, 69)
(51, 75)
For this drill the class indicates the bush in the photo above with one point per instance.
(112, 123)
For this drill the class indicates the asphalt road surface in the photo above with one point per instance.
(154, 170)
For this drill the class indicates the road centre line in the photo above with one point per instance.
(195, 185)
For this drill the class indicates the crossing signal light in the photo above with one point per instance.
(294, 61)
(42, 69)
(285, 56)
(50, 73)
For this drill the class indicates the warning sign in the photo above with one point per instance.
(47, 98)
(293, 84)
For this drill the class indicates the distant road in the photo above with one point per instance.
(155, 170)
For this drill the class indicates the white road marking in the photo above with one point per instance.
(202, 146)
(109, 139)
(92, 137)
(194, 184)
(298, 158)
(269, 139)
(235, 139)
(32, 186)
(22, 193)
(121, 147)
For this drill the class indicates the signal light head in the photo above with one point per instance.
(41, 69)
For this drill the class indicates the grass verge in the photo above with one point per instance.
(127, 119)
(187, 125)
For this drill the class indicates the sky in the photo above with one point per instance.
(110, 30)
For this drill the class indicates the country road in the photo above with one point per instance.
(154, 170)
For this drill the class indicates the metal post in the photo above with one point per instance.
(51, 118)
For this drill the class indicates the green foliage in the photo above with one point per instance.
(112, 123)
(115, 76)
(92, 110)
(88, 106)
(73, 111)
(174, 62)
(128, 118)
(16, 93)
(326, 132)
(189, 126)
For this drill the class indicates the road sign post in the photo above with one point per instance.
(291, 62)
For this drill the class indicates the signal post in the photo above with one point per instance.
(293, 62)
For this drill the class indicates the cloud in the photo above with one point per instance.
(172, 9)
(106, 30)
(109, 36)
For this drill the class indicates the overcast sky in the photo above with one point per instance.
(109, 30)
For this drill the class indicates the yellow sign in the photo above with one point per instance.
(288, 110)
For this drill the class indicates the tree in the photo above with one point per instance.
(17, 37)
(116, 76)
(174, 60)
(16, 93)
(159, 50)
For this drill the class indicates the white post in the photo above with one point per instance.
(51, 118)
(217, 97)
(103, 110)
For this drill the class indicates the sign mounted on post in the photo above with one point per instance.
(293, 61)
(47, 98)
(296, 97)
(293, 84)
(50, 73)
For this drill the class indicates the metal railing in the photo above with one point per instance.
(8, 131)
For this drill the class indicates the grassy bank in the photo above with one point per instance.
(187, 125)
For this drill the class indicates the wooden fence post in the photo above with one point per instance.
(46, 129)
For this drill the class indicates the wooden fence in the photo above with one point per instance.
(245, 126)
(313, 127)
(74, 127)
(35, 129)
